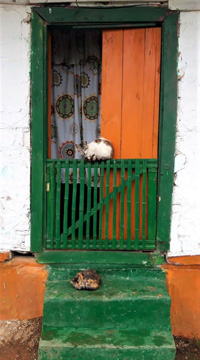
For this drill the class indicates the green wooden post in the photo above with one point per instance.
(66, 201)
(114, 203)
(137, 202)
(152, 202)
(49, 245)
(129, 201)
(95, 205)
(167, 133)
(38, 131)
(52, 204)
(58, 195)
(107, 202)
(81, 204)
(74, 204)
(88, 205)
(144, 187)
(101, 205)
(122, 205)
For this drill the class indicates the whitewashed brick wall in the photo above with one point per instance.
(14, 128)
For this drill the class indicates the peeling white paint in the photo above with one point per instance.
(179, 162)
(185, 238)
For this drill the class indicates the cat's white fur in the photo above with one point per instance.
(99, 149)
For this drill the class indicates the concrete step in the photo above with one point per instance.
(128, 317)
(67, 271)
(99, 344)
(135, 297)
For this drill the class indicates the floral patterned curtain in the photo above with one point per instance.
(76, 89)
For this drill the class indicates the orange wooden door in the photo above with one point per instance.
(130, 97)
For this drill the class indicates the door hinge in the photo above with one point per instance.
(48, 186)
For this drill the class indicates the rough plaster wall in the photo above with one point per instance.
(184, 4)
(14, 128)
(185, 231)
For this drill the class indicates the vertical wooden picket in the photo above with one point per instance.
(95, 206)
(66, 200)
(152, 200)
(144, 217)
(129, 198)
(114, 205)
(81, 204)
(74, 204)
(137, 203)
(101, 205)
(122, 205)
(49, 242)
(58, 194)
(52, 204)
(88, 205)
(107, 202)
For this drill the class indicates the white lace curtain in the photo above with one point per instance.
(76, 89)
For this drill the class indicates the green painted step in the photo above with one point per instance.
(106, 344)
(134, 312)
(66, 272)
(128, 317)
(106, 337)
(93, 353)
(134, 297)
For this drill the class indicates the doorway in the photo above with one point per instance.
(108, 205)
(44, 19)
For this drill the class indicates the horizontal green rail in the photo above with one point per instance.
(150, 163)
(107, 205)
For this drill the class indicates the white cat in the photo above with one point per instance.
(99, 149)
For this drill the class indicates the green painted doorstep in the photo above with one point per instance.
(127, 318)
(107, 259)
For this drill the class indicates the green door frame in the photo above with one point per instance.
(45, 17)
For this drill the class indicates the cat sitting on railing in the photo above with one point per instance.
(99, 149)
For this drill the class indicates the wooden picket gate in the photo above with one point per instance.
(113, 204)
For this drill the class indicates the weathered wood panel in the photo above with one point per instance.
(130, 105)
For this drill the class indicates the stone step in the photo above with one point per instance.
(99, 344)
